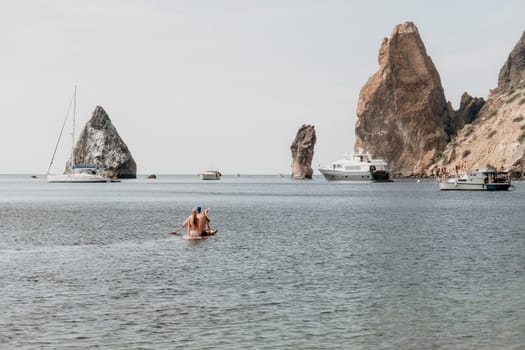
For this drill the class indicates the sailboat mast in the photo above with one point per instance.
(60, 135)
(74, 115)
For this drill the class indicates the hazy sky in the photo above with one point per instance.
(194, 84)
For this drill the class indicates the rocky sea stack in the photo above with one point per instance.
(101, 145)
(302, 152)
(402, 114)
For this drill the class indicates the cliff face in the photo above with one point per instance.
(496, 135)
(402, 114)
(303, 152)
(101, 145)
(469, 108)
(512, 74)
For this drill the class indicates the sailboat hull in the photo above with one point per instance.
(77, 178)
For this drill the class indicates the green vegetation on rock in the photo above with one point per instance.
(521, 138)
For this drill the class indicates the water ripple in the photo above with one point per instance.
(295, 265)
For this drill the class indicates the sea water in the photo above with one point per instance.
(295, 265)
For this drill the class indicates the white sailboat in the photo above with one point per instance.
(78, 173)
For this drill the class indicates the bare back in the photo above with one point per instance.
(202, 222)
(193, 225)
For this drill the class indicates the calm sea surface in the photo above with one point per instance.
(295, 265)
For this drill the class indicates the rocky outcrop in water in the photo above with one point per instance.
(303, 152)
(496, 134)
(402, 114)
(101, 145)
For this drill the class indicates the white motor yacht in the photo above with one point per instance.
(357, 167)
(211, 174)
(486, 179)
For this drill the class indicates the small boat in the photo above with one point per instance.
(359, 167)
(77, 173)
(211, 174)
(486, 179)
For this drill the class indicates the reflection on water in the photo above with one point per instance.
(295, 265)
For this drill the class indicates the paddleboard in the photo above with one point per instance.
(194, 238)
(212, 232)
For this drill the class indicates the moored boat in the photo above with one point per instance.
(359, 167)
(486, 179)
(211, 174)
(77, 173)
(76, 178)
(80, 173)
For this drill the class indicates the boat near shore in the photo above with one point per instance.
(486, 179)
(359, 167)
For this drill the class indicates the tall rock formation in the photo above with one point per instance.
(496, 135)
(469, 108)
(512, 74)
(101, 145)
(402, 114)
(303, 152)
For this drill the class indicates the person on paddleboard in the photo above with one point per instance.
(192, 223)
(198, 224)
(204, 224)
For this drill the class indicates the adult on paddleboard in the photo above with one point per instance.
(192, 223)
